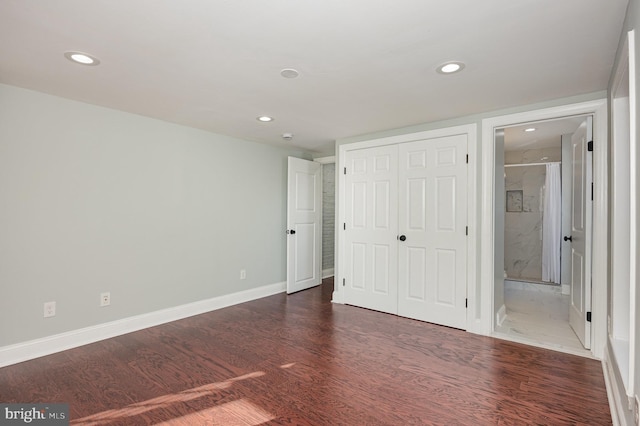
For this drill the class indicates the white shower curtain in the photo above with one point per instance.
(552, 225)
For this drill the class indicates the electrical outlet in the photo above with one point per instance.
(49, 309)
(105, 299)
(243, 274)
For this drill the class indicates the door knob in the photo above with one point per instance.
(402, 237)
(568, 238)
(292, 231)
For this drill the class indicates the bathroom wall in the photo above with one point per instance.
(328, 217)
(523, 229)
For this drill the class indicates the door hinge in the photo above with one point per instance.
(466, 303)
(591, 191)
(466, 231)
(343, 282)
(590, 146)
(344, 226)
(345, 170)
(588, 316)
(467, 158)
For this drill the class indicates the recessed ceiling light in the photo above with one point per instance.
(81, 58)
(450, 67)
(289, 73)
(530, 129)
(264, 118)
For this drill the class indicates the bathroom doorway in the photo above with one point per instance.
(534, 208)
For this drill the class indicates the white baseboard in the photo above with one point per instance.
(618, 401)
(20, 352)
(566, 289)
(501, 315)
(326, 273)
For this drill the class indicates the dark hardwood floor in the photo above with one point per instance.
(301, 360)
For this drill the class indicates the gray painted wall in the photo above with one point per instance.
(328, 214)
(95, 200)
(471, 119)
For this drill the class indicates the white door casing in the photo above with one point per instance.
(304, 224)
(371, 228)
(581, 215)
(432, 279)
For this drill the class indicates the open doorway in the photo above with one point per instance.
(492, 244)
(534, 194)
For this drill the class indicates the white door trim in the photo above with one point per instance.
(470, 130)
(600, 211)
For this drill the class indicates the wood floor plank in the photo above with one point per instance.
(301, 360)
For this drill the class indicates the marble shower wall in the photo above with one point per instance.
(523, 230)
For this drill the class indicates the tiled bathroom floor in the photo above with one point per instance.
(539, 317)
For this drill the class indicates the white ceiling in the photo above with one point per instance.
(366, 65)
(547, 134)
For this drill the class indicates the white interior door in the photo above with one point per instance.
(432, 252)
(565, 246)
(304, 223)
(371, 188)
(581, 213)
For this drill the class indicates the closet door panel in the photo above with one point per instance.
(433, 214)
(405, 229)
(371, 196)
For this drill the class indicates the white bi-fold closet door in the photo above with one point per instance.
(405, 229)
